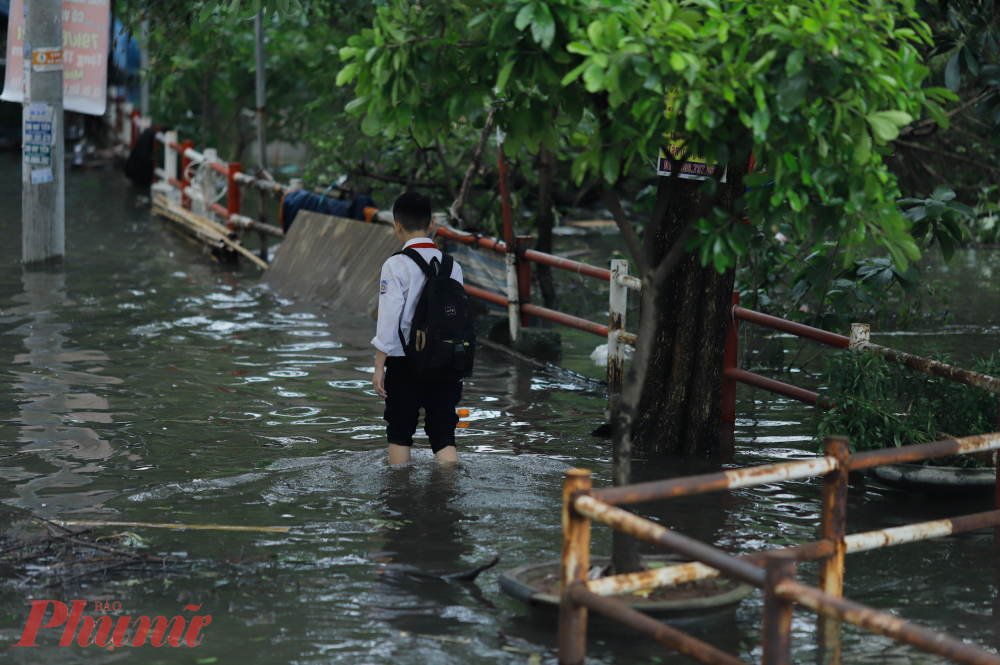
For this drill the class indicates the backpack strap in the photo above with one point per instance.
(414, 255)
(447, 265)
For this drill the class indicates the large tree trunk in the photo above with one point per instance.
(681, 406)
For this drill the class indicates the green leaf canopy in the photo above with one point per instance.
(816, 90)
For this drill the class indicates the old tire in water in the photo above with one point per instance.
(523, 583)
(937, 480)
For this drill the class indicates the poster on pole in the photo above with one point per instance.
(84, 56)
(697, 167)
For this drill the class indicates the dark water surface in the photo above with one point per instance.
(147, 384)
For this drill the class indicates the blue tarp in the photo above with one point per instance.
(126, 53)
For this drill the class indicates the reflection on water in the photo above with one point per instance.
(150, 385)
(423, 533)
(59, 457)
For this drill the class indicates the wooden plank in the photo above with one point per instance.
(202, 228)
(332, 260)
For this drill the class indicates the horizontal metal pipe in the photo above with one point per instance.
(627, 337)
(870, 540)
(275, 188)
(194, 155)
(714, 482)
(220, 168)
(925, 451)
(160, 173)
(935, 368)
(175, 182)
(668, 576)
(175, 146)
(249, 223)
(651, 628)
(778, 387)
(220, 210)
(565, 319)
(497, 246)
(629, 282)
(654, 578)
(790, 327)
(488, 296)
(651, 532)
(885, 624)
(540, 312)
(531, 255)
(567, 264)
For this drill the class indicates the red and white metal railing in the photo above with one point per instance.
(518, 297)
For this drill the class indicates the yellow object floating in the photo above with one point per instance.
(463, 425)
(463, 413)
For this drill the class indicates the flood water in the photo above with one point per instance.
(147, 384)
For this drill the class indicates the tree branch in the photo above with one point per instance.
(930, 121)
(457, 207)
(953, 155)
(610, 198)
(362, 172)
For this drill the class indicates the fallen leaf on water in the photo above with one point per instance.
(239, 372)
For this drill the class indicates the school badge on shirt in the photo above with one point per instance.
(383, 286)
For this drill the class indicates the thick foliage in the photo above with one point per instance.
(968, 34)
(815, 89)
(880, 405)
(809, 282)
(202, 70)
(939, 218)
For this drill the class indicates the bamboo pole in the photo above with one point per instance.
(202, 227)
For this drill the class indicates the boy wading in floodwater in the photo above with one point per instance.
(425, 339)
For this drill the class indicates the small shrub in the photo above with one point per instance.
(880, 404)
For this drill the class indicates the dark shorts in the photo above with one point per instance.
(406, 395)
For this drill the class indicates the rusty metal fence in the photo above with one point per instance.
(858, 342)
(774, 571)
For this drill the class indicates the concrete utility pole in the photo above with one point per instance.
(43, 193)
(261, 97)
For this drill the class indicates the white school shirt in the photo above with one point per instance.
(399, 289)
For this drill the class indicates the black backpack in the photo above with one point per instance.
(442, 344)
